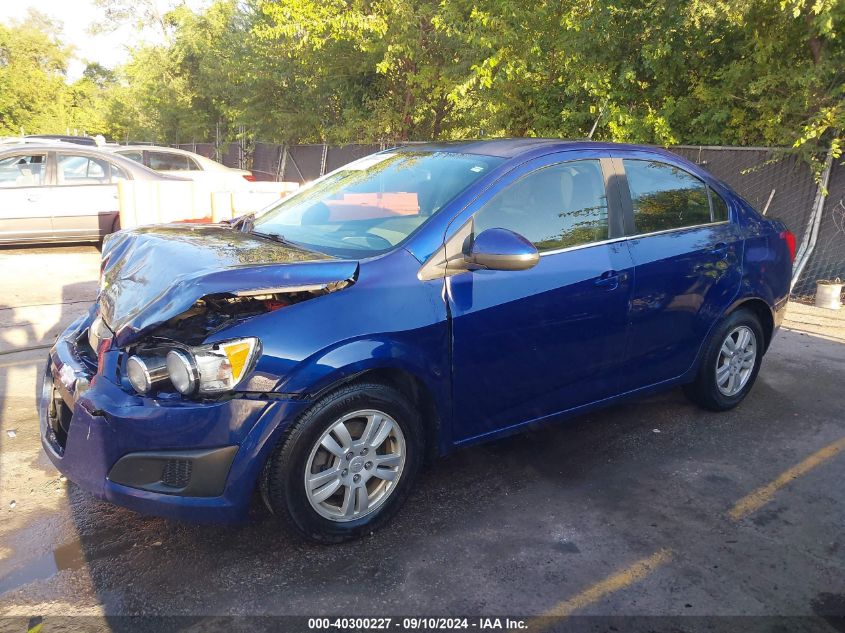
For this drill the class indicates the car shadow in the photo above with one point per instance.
(140, 564)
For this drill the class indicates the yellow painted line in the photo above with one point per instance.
(621, 579)
(760, 497)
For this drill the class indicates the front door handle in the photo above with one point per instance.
(610, 280)
(33, 197)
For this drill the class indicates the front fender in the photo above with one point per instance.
(345, 361)
(387, 320)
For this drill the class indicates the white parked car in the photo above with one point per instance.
(62, 192)
(185, 164)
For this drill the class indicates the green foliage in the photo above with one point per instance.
(34, 95)
(744, 72)
(32, 66)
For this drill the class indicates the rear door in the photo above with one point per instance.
(87, 196)
(687, 254)
(532, 343)
(25, 211)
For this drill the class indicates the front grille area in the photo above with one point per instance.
(177, 473)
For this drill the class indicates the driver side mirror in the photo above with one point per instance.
(501, 249)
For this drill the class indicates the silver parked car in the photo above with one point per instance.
(61, 192)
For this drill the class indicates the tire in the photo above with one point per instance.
(358, 407)
(717, 393)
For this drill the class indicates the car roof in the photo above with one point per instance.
(88, 141)
(139, 172)
(514, 147)
(158, 148)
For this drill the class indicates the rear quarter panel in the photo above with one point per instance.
(767, 270)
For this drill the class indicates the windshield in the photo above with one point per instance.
(373, 204)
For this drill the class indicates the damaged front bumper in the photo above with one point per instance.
(180, 458)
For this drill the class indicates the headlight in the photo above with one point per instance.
(143, 373)
(182, 371)
(212, 368)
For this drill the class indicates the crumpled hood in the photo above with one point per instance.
(152, 274)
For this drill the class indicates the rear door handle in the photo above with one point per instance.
(33, 197)
(720, 249)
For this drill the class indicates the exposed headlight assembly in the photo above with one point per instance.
(143, 373)
(211, 369)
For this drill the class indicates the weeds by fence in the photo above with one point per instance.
(774, 181)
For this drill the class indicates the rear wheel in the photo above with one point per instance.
(730, 363)
(347, 465)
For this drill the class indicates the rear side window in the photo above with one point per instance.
(665, 197)
(81, 170)
(554, 207)
(720, 209)
(137, 156)
(118, 173)
(165, 161)
(23, 170)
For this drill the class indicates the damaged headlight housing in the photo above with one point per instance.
(202, 370)
(211, 369)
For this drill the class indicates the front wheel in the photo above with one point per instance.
(346, 465)
(730, 363)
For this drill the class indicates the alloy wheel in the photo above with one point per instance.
(736, 360)
(355, 465)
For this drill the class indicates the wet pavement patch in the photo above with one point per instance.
(68, 557)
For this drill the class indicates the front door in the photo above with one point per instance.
(25, 211)
(529, 344)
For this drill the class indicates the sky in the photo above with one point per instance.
(109, 49)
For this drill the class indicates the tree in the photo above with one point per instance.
(32, 71)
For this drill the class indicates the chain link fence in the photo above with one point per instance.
(776, 182)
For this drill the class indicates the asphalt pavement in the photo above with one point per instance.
(651, 508)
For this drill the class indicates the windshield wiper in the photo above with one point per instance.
(242, 222)
(276, 237)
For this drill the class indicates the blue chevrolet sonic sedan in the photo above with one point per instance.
(412, 302)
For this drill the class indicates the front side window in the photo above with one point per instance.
(554, 207)
(373, 204)
(166, 161)
(23, 170)
(81, 170)
(665, 197)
